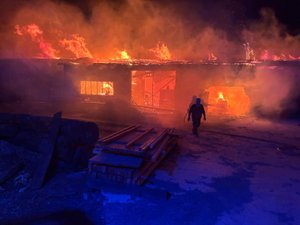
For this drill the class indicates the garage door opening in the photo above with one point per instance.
(153, 89)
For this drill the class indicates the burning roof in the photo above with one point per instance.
(141, 31)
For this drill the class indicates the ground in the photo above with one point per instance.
(238, 171)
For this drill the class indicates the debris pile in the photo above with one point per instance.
(130, 156)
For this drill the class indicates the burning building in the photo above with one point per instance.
(108, 57)
(227, 89)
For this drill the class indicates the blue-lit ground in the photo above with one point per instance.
(243, 171)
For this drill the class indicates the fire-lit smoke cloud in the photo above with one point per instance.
(270, 40)
(139, 26)
(144, 29)
(36, 35)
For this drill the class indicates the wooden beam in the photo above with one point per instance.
(135, 139)
(152, 142)
(118, 135)
(117, 132)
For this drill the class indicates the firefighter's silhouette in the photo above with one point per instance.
(196, 110)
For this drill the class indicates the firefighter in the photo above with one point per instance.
(197, 110)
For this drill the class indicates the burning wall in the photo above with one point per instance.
(226, 89)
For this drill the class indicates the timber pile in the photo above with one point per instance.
(130, 155)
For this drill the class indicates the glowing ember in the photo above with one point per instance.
(77, 46)
(161, 51)
(36, 35)
(212, 57)
(228, 100)
(220, 96)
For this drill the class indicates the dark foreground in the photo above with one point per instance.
(241, 171)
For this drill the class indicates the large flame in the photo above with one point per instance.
(161, 51)
(77, 46)
(36, 35)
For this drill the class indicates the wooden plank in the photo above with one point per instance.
(160, 149)
(115, 133)
(46, 148)
(123, 152)
(118, 135)
(116, 160)
(131, 142)
(153, 141)
(151, 166)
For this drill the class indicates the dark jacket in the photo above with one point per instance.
(197, 112)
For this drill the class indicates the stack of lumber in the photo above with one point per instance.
(131, 155)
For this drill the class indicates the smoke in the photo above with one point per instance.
(274, 92)
(104, 27)
(270, 39)
(101, 29)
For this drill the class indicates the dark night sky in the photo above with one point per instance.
(226, 14)
(237, 13)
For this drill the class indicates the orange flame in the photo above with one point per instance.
(221, 96)
(36, 35)
(228, 100)
(77, 46)
(284, 57)
(122, 55)
(161, 51)
(212, 57)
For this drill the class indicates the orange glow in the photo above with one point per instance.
(36, 35)
(77, 46)
(153, 89)
(212, 57)
(122, 55)
(161, 51)
(284, 57)
(249, 52)
(221, 96)
(96, 88)
(226, 100)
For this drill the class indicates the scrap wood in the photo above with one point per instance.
(116, 160)
(128, 152)
(135, 139)
(161, 148)
(150, 167)
(119, 131)
(152, 142)
(46, 148)
(118, 134)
